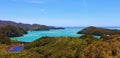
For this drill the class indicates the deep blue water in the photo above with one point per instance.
(33, 35)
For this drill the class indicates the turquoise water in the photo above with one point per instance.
(33, 35)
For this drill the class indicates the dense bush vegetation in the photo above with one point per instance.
(85, 46)
(76, 47)
(12, 31)
(61, 47)
(4, 39)
(99, 31)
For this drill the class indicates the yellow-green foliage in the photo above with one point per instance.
(68, 47)
(23, 54)
(60, 47)
(2, 49)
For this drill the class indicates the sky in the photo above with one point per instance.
(62, 12)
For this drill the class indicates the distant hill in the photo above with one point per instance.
(35, 27)
(13, 29)
(24, 26)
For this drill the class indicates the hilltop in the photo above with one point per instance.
(99, 31)
(28, 26)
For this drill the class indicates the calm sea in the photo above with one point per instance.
(68, 31)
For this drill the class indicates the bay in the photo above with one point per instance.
(33, 35)
(68, 31)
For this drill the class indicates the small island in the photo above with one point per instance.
(98, 31)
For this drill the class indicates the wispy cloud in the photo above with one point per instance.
(42, 10)
(36, 2)
(30, 1)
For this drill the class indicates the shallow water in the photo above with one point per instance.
(33, 35)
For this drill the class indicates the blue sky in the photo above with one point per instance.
(62, 12)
